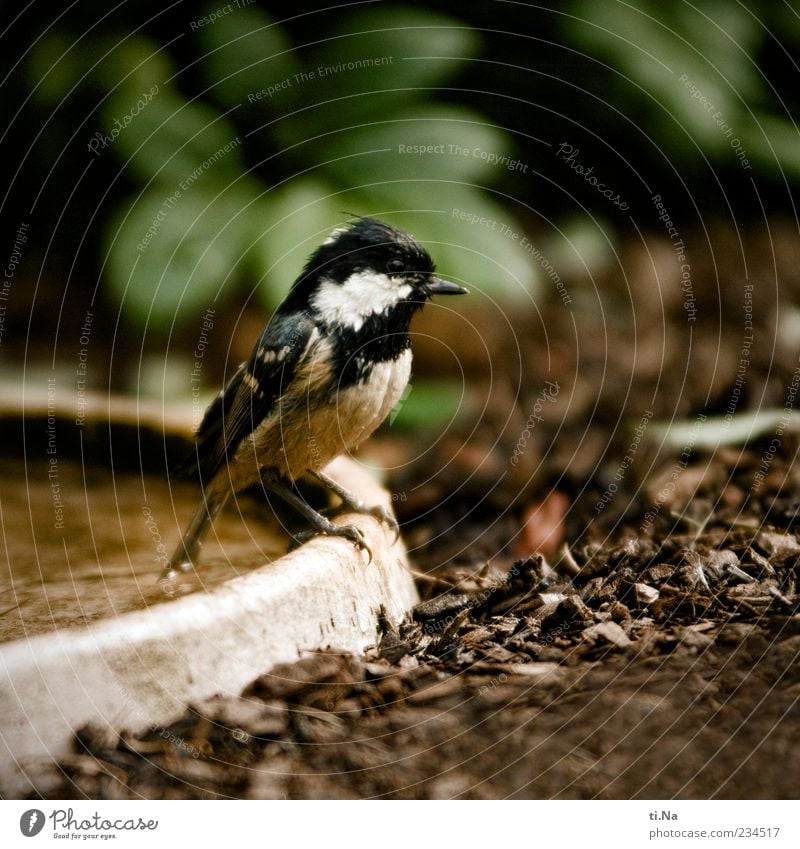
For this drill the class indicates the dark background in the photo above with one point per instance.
(513, 79)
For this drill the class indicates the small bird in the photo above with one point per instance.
(328, 368)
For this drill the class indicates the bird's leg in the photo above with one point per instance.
(187, 553)
(318, 522)
(354, 505)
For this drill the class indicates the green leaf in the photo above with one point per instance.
(774, 143)
(699, 84)
(433, 142)
(384, 52)
(53, 67)
(288, 224)
(427, 403)
(248, 58)
(173, 255)
(135, 62)
(171, 139)
(425, 49)
(60, 66)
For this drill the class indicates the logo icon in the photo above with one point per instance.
(31, 822)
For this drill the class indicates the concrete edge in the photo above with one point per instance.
(142, 669)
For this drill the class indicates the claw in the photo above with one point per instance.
(355, 536)
(354, 505)
(348, 532)
(172, 570)
(383, 515)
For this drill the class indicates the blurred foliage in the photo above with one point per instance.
(695, 73)
(427, 403)
(202, 216)
(261, 136)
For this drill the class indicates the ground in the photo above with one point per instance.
(652, 664)
(606, 547)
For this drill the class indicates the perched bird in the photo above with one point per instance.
(328, 368)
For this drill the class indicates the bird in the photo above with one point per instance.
(330, 365)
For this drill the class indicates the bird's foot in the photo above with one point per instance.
(175, 568)
(380, 513)
(385, 517)
(326, 528)
(354, 505)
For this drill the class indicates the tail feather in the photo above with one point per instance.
(189, 464)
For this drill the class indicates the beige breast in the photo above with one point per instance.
(307, 433)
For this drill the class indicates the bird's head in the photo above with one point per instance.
(365, 270)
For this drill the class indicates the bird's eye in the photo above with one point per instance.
(395, 266)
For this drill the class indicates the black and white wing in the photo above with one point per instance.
(251, 393)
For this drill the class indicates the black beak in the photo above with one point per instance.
(437, 286)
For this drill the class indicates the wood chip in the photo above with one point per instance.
(777, 594)
(610, 632)
(761, 561)
(441, 606)
(573, 608)
(567, 563)
(778, 545)
(531, 670)
(659, 573)
(644, 593)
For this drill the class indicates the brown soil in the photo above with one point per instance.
(652, 664)
(607, 612)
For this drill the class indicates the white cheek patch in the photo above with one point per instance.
(360, 296)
